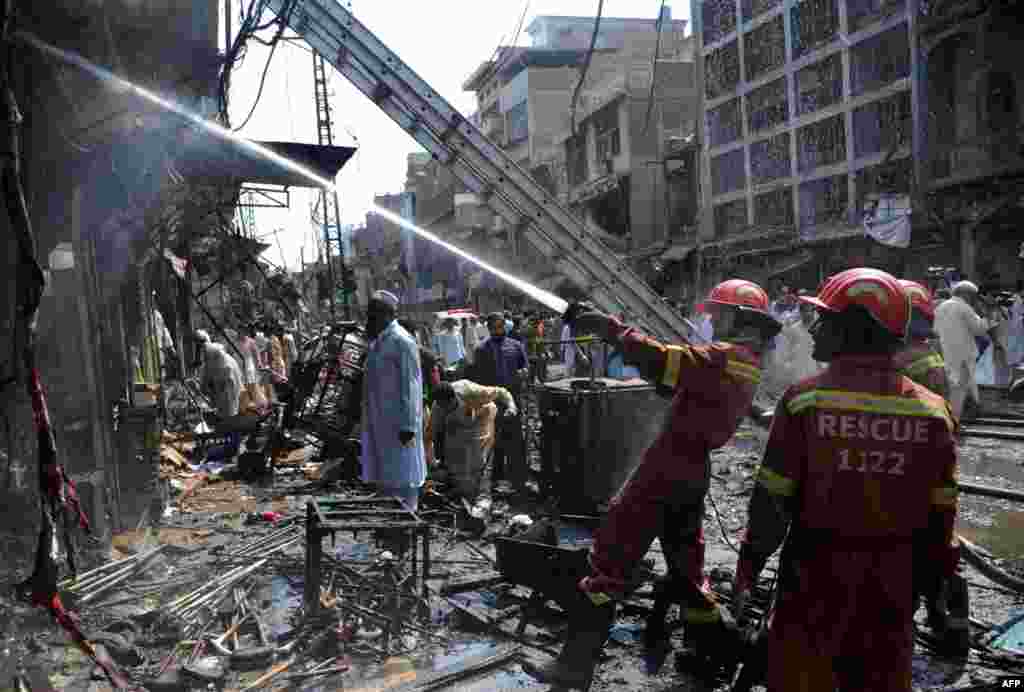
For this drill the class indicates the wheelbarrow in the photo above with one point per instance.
(549, 571)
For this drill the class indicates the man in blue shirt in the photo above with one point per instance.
(501, 361)
(449, 345)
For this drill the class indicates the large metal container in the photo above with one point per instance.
(593, 432)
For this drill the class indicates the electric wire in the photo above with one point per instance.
(654, 67)
(282, 22)
(586, 68)
(499, 61)
(721, 525)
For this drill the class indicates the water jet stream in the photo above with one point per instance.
(546, 298)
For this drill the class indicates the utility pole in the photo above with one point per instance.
(329, 208)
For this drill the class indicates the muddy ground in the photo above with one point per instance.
(214, 515)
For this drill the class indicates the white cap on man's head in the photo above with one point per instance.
(964, 287)
(386, 297)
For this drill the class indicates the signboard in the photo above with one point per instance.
(889, 221)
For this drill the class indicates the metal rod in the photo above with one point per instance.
(102, 568)
(191, 608)
(128, 572)
(989, 491)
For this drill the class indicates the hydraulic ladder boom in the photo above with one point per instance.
(485, 169)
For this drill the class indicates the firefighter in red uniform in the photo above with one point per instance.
(918, 360)
(712, 388)
(862, 462)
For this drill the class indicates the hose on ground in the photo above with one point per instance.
(972, 556)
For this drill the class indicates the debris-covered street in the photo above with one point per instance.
(545, 345)
(224, 551)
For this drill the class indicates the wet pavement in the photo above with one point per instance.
(215, 516)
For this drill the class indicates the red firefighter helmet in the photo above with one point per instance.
(740, 293)
(920, 297)
(880, 293)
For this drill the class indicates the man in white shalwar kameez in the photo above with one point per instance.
(957, 325)
(221, 376)
(393, 456)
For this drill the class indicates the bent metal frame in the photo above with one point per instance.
(326, 516)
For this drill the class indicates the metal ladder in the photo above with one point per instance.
(331, 219)
(484, 168)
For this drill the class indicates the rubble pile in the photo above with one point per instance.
(215, 588)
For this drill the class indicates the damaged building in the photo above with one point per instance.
(132, 207)
(816, 113)
(804, 104)
(611, 142)
(972, 159)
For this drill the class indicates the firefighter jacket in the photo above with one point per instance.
(857, 456)
(921, 363)
(712, 388)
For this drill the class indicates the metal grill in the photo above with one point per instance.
(328, 382)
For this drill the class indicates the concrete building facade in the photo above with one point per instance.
(801, 102)
(971, 162)
(607, 145)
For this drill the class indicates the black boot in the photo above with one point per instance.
(714, 648)
(656, 633)
(956, 638)
(589, 625)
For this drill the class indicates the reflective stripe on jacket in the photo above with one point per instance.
(858, 452)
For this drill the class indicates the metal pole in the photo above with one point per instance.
(227, 25)
(341, 253)
(327, 251)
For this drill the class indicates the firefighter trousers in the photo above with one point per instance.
(650, 506)
(843, 619)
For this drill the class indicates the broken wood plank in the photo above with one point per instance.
(484, 581)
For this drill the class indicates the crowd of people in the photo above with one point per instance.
(240, 372)
(977, 334)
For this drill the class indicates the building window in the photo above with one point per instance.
(819, 85)
(724, 124)
(606, 132)
(719, 19)
(722, 70)
(882, 125)
(821, 144)
(730, 217)
(769, 159)
(576, 159)
(774, 209)
(755, 8)
(879, 60)
(863, 13)
(728, 172)
(815, 23)
(893, 177)
(767, 106)
(764, 48)
(1000, 102)
(518, 123)
(823, 201)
